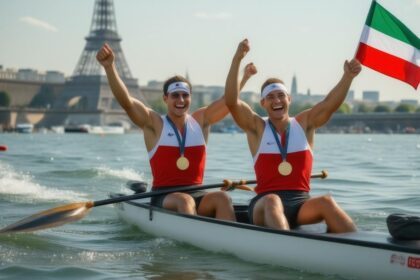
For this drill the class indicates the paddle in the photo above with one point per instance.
(57, 216)
(242, 183)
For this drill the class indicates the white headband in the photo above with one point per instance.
(273, 87)
(179, 86)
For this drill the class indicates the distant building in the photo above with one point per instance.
(294, 88)
(308, 99)
(250, 97)
(204, 95)
(24, 84)
(391, 104)
(371, 96)
(303, 98)
(350, 96)
(151, 93)
(31, 75)
(155, 84)
(54, 77)
(410, 102)
(8, 74)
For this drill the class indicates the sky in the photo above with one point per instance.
(307, 38)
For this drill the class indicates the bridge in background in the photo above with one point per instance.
(10, 117)
(352, 123)
(374, 122)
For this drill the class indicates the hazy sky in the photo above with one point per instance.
(309, 38)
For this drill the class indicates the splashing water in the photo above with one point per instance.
(125, 173)
(20, 187)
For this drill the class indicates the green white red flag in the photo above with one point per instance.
(389, 47)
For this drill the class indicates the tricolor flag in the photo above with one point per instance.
(389, 47)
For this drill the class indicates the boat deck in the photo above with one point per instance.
(379, 240)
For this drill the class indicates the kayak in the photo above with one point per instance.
(359, 255)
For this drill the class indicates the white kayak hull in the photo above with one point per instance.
(360, 255)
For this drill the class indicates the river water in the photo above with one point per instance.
(370, 176)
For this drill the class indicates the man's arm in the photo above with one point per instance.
(243, 115)
(322, 112)
(249, 71)
(217, 110)
(136, 110)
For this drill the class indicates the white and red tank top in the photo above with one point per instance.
(164, 155)
(268, 158)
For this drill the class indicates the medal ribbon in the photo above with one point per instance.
(181, 142)
(283, 151)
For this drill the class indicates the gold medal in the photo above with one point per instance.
(182, 163)
(285, 168)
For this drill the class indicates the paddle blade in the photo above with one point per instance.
(53, 217)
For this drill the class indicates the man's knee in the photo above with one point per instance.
(217, 198)
(327, 202)
(223, 197)
(272, 202)
(180, 200)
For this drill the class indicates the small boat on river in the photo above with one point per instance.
(356, 255)
(95, 129)
(24, 128)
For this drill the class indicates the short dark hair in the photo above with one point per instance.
(174, 79)
(271, 81)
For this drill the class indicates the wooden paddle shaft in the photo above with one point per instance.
(154, 193)
(322, 175)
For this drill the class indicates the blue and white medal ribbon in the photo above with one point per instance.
(284, 168)
(182, 162)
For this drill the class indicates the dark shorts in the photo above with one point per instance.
(158, 200)
(292, 201)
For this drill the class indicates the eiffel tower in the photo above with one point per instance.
(87, 91)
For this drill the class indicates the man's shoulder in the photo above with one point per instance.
(197, 116)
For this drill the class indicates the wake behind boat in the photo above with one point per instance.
(359, 255)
